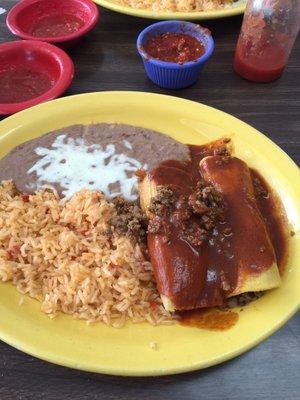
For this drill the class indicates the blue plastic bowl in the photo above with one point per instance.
(170, 75)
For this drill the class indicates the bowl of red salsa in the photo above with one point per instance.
(62, 22)
(32, 72)
(174, 52)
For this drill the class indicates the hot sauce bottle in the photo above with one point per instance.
(269, 30)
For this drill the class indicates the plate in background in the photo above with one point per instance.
(126, 351)
(235, 9)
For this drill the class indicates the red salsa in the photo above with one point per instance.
(261, 52)
(264, 66)
(56, 25)
(22, 84)
(174, 47)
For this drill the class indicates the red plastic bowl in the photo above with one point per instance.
(28, 17)
(46, 70)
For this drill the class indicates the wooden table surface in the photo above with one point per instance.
(107, 60)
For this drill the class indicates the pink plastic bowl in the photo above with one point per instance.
(67, 20)
(33, 69)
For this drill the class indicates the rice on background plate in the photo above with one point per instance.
(178, 5)
(67, 255)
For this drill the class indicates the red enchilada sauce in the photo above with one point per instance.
(174, 47)
(56, 25)
(274, 216)
(193, 272)
(210, 319)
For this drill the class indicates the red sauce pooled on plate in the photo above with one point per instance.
(22, 84)
(56, 25)
(211, 319)
(174, 47)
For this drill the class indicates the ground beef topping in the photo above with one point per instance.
(130, 220)
(163, 202)
(242, 299)
(193, 216)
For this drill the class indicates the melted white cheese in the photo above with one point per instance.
(127, 144)
(74, 165)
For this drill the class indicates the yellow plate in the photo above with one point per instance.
(116, 5)
(126, 351)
